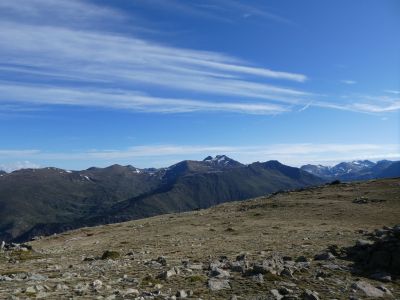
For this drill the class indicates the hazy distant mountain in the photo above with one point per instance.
(44, 201)
(355, 170)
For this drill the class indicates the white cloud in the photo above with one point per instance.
(12, 166)
(392, 92)
(158, 155)
(348, 82)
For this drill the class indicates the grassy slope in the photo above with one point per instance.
(293, 223)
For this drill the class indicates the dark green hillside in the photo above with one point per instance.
(50, 195)
(391, 171)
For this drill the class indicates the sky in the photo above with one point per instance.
(151, 82)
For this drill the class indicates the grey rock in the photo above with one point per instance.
(215, 284)
(181, 294)
(162, 260)
(381, 276)
(131, 292)
(241, 257)
(302, 259)
(219, 273)
(385, 290)
(215, 264)
(285, 291)
(367, 289)
(37, 277)
(238, 266)
(167, 274)
(61, 287)
(287, 272)
(331, 266)
(97, 284)
(324, 256)
(272, 265)
(364, 243)
(81, 288)
(191, 266)
(30, 290)
(275, 293)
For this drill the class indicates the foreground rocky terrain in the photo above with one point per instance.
(331, 242)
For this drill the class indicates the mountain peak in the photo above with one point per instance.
(222, 161)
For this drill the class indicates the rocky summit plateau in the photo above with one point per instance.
(333, 241)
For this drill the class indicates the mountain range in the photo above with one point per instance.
(44, 201)
(50, 200)
(356, 170)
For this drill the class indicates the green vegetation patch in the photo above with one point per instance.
(110, 255)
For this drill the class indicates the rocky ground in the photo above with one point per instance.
(333, 242)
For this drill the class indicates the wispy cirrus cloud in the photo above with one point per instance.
(133, 101)
(364, 104)
(47, 59)
(227, 11)
(62, 64)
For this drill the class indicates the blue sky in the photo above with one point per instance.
(152, 82)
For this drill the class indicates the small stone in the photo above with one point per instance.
(241, 257)
(285, 291)
(162, 260)
(131, 292)
(364, 243)
(167, 274)
(258, 278)
(195, 266)
(61, 287)
(276, 294)
(324, 256)
(81, 288)
(181, 294)
(310, 295)
(30, 290)
(97, 284)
